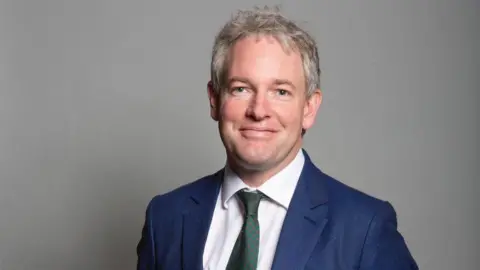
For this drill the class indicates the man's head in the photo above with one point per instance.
(264, 89)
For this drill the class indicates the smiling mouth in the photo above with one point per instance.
(257, 129)
(256, 133)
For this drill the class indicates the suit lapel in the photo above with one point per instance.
(197, 219)
(304, 222)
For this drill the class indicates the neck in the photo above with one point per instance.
(255, 177)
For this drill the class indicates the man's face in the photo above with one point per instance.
(262, 111)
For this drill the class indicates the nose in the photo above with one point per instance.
(259, 107)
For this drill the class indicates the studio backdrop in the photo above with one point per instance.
(103, 104)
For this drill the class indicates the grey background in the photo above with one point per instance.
(103, 105)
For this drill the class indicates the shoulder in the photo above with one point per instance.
(350, 198)
(343, 200)
(353, 208)
(175, 199)
(367, 225)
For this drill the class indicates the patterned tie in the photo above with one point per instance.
(245, 252)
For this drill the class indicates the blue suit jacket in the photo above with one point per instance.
(328, 226)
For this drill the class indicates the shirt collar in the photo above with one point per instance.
(279, 188)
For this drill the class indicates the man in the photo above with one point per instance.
(270, 207)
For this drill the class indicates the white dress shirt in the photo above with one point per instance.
(228, 215)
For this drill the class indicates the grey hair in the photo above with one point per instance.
(264, 22)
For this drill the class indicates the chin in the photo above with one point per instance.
(255, 161)
(255, 165)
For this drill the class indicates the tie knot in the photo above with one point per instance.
(250, 201)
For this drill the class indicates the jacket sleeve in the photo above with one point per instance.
(146, 247)
(384, 246)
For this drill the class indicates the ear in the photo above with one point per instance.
(310, 110)
(213, 99)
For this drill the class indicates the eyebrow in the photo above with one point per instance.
(247, 81)
(238, 79)
(287, 82)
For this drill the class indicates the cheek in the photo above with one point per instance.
(232, 110)
(289, 116)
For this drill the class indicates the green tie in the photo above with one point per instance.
(245, 252)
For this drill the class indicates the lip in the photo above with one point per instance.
(257, 129)
(257, 133)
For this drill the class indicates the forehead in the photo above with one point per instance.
(262, 59)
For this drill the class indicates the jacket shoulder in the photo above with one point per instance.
(175, 198)
(349, 192)
(348, 202)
